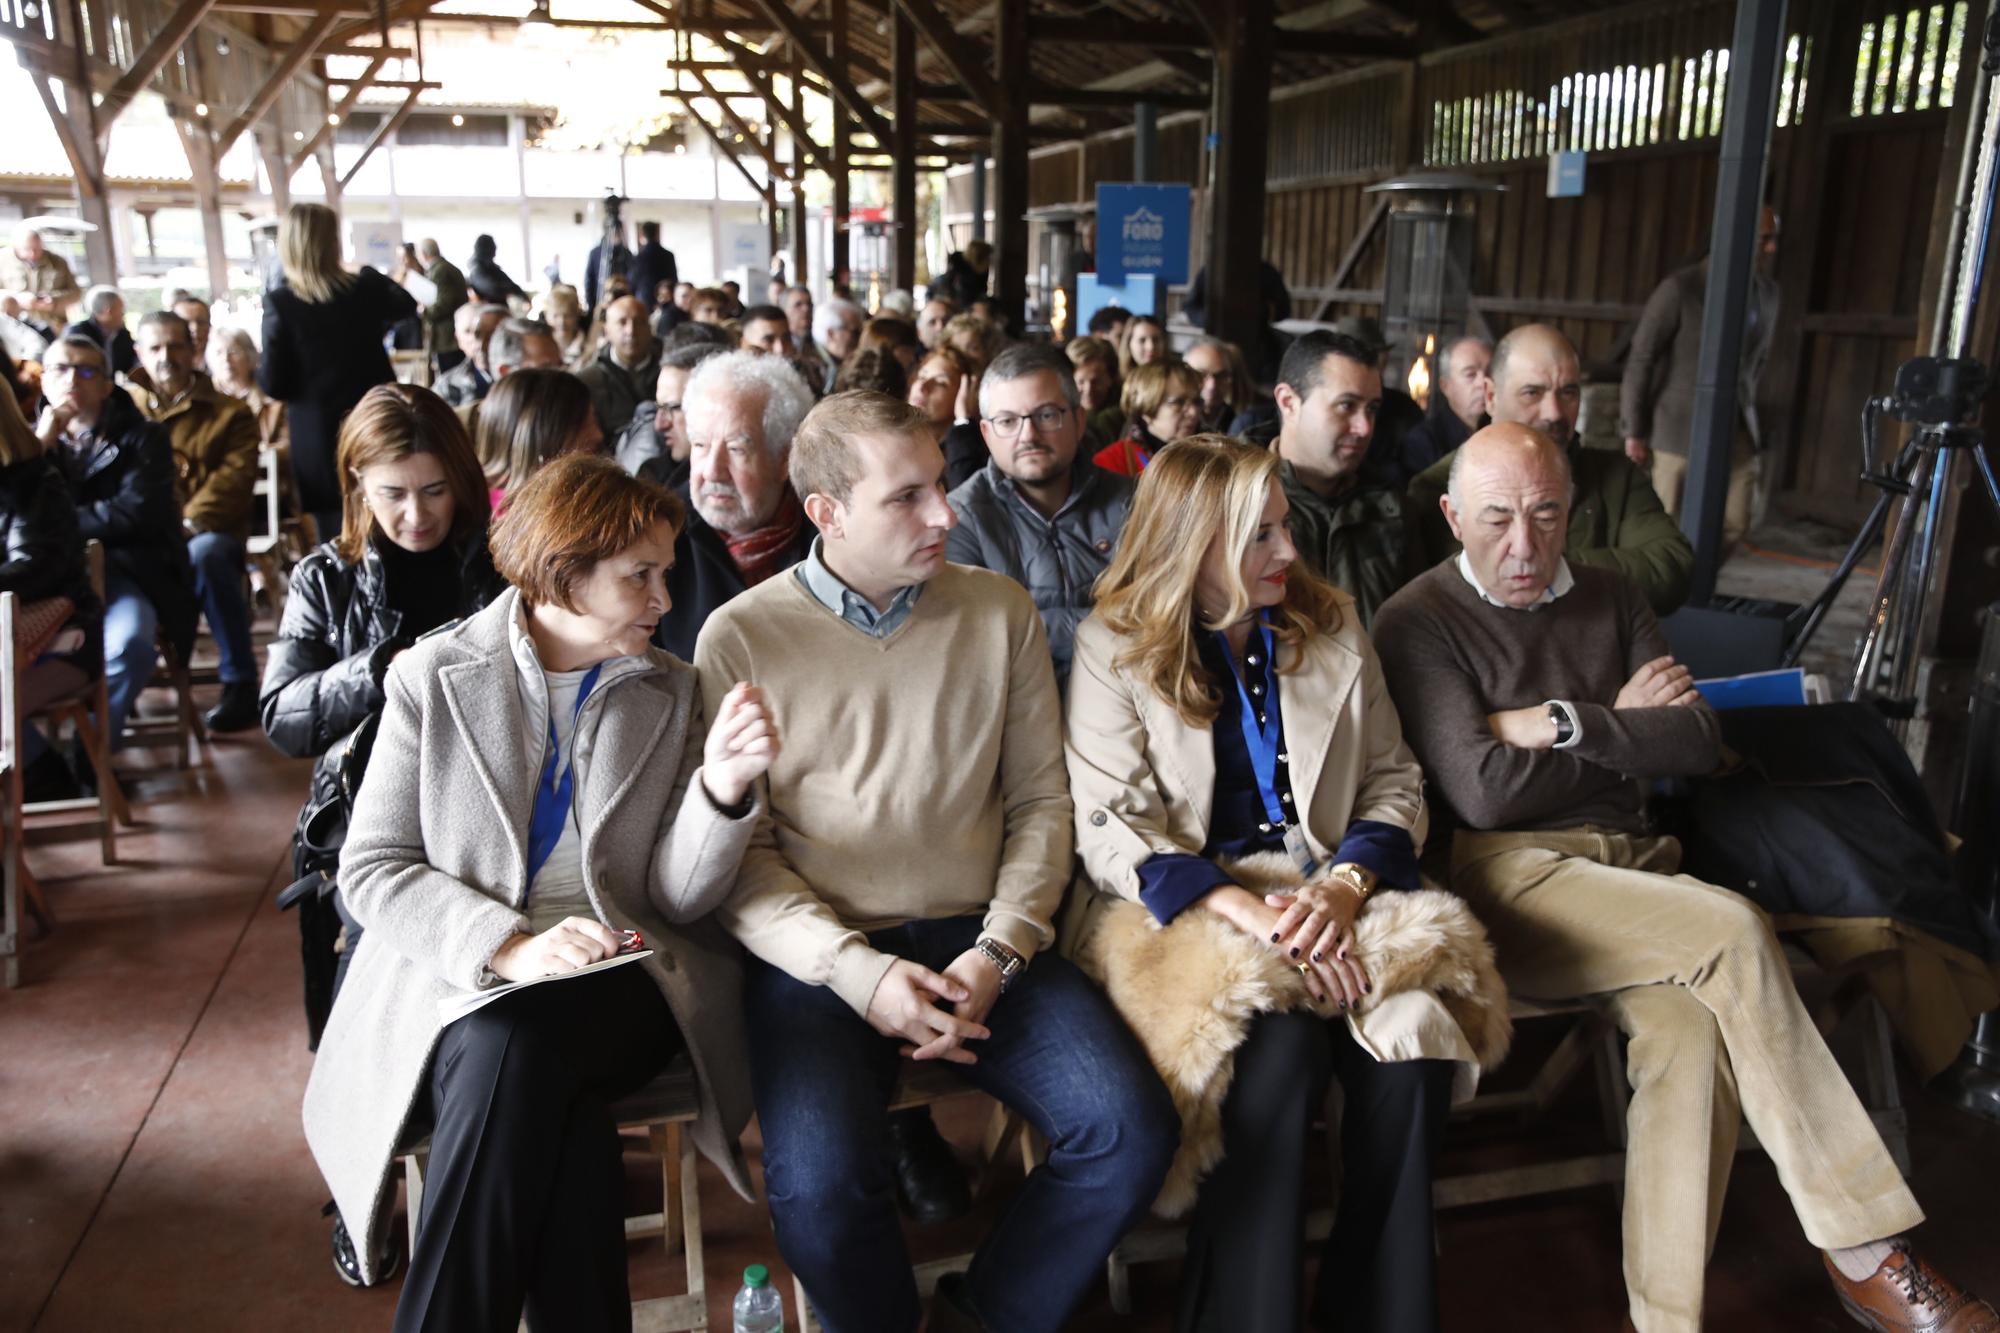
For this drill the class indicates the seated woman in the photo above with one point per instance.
(59, 646)
(540, 798)
(410, 556)
(527, 419)
(872, 368)
(232, 364)
(892, 337)
(1211, 660)
(1142, 342)
(1095, 362)
(562, 310)
(1162, 403)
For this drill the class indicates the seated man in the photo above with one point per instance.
(910, 860)
(215, 442)
(1039, 512)
(1617, 521)
(120, 470)
(1458, 401)
(515, 344)
(1346, 519)
(1539, 697)
(765, 329)
(103, 323)
(468, 381)
(626, 364)
(740, 412)
(655, 444)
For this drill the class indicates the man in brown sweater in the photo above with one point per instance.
(899, 894)
(1539, 698)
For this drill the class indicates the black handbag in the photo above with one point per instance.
(316, 844)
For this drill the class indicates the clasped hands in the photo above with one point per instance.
(905, 1004)
(1660, 683)
(1311, 929)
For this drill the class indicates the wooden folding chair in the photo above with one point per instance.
(183, 727)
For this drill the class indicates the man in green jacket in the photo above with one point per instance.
(440, 339)
(1616, 519)
(1350, 525)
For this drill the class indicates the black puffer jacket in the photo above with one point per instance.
(324, 673)
(42, 555)
(124, 493)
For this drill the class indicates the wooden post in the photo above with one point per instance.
(1243, 121)
(801, 251)
(277, 166)
(903, 184)
(839, 257)
(1010, 161)
(198, 141)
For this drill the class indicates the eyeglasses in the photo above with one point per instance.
(66, 368)
(1044, 418)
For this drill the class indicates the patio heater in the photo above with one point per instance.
(867, 253)
(1053, 309)
(1427, 289)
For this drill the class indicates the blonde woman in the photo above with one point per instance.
(1242, 789)
(324, 331)
(1162, 403)
(563, 310)
(1143, 342)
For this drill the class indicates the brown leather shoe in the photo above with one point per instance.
(1907, 1295)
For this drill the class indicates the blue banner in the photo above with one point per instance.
(1143, 229)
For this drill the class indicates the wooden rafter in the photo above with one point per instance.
(340, 110)
(743, 127)
(381, 135)
(763, 188)
(800, 35)
(151, 60)
(760, 80)
(963, 56)
(301, 50)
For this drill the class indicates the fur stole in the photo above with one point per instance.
(1189, 990)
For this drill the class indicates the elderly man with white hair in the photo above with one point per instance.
(741, 410)
(103, 323)
(836, 329)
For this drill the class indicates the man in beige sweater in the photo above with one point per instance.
(898, 894)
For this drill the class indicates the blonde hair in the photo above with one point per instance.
(1150, 385)
(309, 253)
(1194, 492)
(18, 441)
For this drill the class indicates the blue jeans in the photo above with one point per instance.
(130, 624)
(1059, 1055)
(218, 581)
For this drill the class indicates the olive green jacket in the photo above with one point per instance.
(1617, 522)
(1360, 543)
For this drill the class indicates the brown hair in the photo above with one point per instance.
(823, 460)
(885, 333)
(1125, 366)
(397, 421)
(1194, 491)
(872, 368)
(976, 328)
(18, 441)
(951, 356)
(573, 513)
(1150, 385)
(1090, 348)
(528, 418)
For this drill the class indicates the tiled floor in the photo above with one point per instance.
(153, 1176)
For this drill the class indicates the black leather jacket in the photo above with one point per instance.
(324, 672)
(41, 551)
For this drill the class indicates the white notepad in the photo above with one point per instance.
(455, 1007)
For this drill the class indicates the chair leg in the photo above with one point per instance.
(413, 1192)
(666, 1142)
(807, 1324)
(690, 1210)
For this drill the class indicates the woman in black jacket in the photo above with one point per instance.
(485, 276)
(410, 556)
(41, 557)
(324, 330)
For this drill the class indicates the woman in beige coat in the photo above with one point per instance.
(539, 793)
(1228, 726)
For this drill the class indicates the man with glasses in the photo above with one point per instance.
(1039, 512)
(215, 442)
(654, 445)
(120, 469)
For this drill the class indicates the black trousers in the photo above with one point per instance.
(522, 1199)
(1245, 1269)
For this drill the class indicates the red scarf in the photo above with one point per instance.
(760, 554)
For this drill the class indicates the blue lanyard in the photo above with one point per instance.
(553, 797)
(1263, 731)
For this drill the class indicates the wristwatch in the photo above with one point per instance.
(1565, 726)
(1004, 957)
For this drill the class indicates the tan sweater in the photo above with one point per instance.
(921, 776)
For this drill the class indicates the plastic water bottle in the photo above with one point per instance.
(759, 1307)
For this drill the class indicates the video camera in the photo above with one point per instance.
(1934, 390)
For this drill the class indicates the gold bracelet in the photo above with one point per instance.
(1354, 877)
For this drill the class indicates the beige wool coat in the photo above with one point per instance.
(1143, 781)
(435, 869)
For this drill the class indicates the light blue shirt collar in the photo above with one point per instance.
(851, 606)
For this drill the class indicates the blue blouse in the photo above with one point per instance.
(1238, 825)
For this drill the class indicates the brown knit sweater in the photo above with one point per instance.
(1452, 658)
